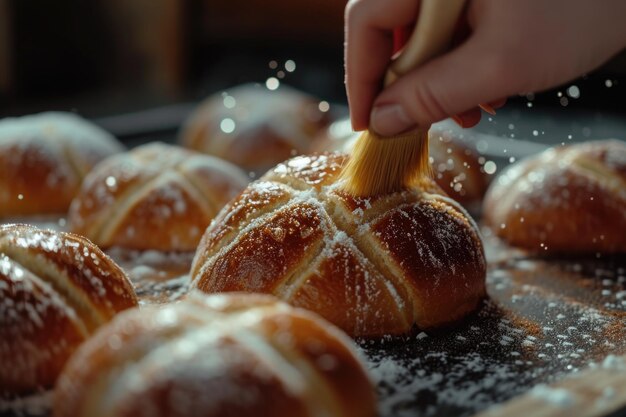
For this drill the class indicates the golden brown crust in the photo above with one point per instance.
(238, 369)
(456, 168)
(444, 278)
(334, 363)
(569, 199)
(26, 363)
(55, 290)
(351, 293)
(371, 266)
(155, 197)
(284, 249)
(43, 159)
(259, 196)
(223, 355)
(269, 126)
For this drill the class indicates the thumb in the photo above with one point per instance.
(450, 84)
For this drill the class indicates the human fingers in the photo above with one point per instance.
(368, 49)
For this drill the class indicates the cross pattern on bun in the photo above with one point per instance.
(253, 127)
(456, 168)
(567, 199)
(233, 355)
(44, 158)
(371, 266)
(156, 196)
(56, 289)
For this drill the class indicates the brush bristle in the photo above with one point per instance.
(381, 165)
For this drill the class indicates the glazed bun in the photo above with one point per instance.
(56, 289)
(371, 266)
(44, 158)
(253, 127)
(456, 168)
(156, 196)
(234, 355)
(567, 199)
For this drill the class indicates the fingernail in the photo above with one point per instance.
(466, 120)
(487, 107)
(390, 119)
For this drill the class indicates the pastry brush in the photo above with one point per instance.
(380, 165)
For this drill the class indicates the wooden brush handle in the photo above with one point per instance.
(384, 165)
(432, 36)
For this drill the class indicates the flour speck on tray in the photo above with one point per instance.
(33, 405)
(541, 322)
(558, 397)
(159, 277)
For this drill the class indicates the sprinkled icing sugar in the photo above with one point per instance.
(510, 346)
(539, 325)
(242, 349)
(55, 290)
(45, 157)
(258, 129)
(559, 200)
(558, 397)
(66, 254)
(373, 248)
(614, 363)
(70, 129)
(56, 136)
(155, 197)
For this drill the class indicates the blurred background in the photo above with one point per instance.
(137, 67)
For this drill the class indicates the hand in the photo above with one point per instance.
(514, 46)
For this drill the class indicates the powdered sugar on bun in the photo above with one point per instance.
(55, 290)
(254, 127)
(235, 354)
(566, 199)
(43, 159)
(156, 196)
(371, 266)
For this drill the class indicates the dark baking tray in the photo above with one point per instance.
(544, 318)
